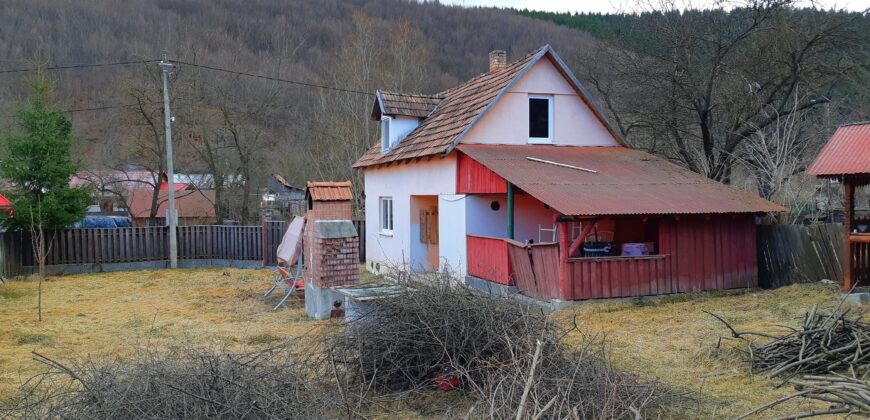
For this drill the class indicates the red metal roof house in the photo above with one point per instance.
(516, 179)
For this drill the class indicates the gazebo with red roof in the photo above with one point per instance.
(846, 157)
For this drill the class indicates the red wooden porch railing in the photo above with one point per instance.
(488, 259)
(607, 277)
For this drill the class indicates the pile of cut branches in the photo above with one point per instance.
(508, 358)
(845, 395)
(824, 343)
(811, 359)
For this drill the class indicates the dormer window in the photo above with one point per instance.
(540, 119)
(386, 140)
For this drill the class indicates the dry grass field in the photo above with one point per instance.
(112, 314)
(672, 339)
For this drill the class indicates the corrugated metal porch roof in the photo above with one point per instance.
(627, 181)
(846, 153)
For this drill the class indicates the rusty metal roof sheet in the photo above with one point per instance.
(406, 104)
(846, 153)
(627, 181)
(463, 105)
(329, 191)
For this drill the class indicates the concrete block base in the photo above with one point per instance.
(319, 301)
(487, 286)
(861, 298)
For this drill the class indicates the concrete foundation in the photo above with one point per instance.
(858, 298)
(319, 301)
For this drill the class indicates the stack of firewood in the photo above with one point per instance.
(827, 359)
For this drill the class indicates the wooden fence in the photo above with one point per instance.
(797, 254)
(87, 247)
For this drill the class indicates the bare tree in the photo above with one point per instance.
(375, 55)
(776, 157)
(695, 85)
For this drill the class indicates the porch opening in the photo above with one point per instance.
(424, 233)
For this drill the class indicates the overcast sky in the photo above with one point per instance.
(626, 5)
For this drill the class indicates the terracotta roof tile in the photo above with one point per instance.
(406, 104)
(329, 191)
(453, 115)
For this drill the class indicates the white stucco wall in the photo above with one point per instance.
(400, 127)
(507, 122)
(435, 177)
(529, 215)
(452, 225)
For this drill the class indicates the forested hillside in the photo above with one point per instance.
(692, 87)
(232, 124)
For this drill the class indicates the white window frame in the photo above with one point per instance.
(386, 130)
(550, 118)
(386, 217)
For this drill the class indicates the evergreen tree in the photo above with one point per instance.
(38, 162)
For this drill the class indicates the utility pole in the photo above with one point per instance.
(170, 172)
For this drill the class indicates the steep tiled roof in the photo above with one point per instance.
(329, 191)
(406, 104)
(453, 116)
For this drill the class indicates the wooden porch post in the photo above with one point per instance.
(849, 207)
(564, 272)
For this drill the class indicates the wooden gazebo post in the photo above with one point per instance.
(849, 210)
(846, 157)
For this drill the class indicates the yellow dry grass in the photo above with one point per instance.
(672, 339)
(113, 314)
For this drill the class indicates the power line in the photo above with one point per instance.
(275, 79)
(78, 66)
(98, 108)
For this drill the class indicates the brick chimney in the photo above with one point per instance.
(331, 241)
(497, 60)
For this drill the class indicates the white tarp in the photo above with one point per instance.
(291, 243)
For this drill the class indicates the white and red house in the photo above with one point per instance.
(504, 177)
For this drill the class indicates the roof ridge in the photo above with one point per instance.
(428, 95)
(489, 73)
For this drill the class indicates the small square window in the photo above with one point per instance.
(386, 215)
(540, 119)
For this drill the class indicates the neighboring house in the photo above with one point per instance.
(194, 207)
(466, 178)
(280, 200)
(131, 192)
(110, 187)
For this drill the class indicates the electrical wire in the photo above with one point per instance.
(98, 108)
(78, 66)
(274, 79)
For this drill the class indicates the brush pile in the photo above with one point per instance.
(813, 360)
(183, 383)
(510, 360)
(824, 343)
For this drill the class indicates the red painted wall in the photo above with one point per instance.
(472, 177)
(488, 259)
(703, 253)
